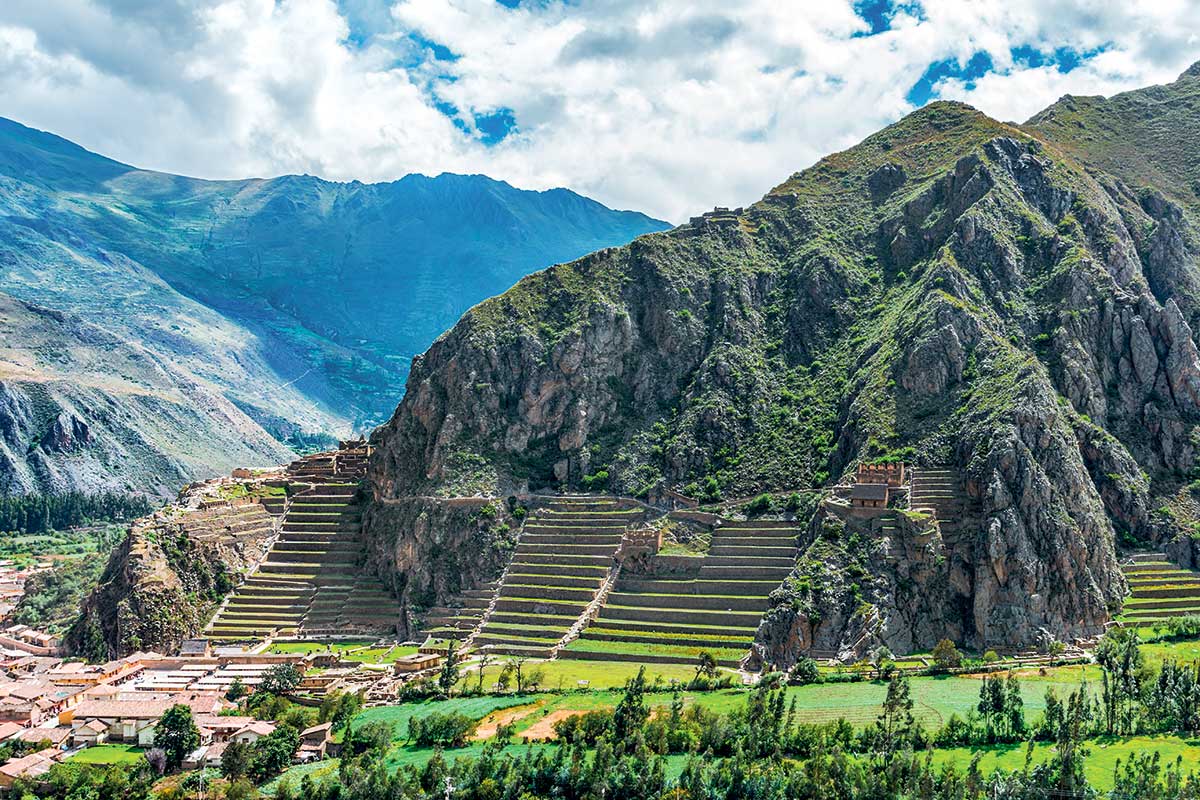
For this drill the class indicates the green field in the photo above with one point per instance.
(109, 754)
(1102, 758)
(566, 673)
(366, 651)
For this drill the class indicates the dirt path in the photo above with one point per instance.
(543, 729)
(491, 723)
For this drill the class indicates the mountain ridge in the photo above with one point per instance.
(954, 291)
(299, 300)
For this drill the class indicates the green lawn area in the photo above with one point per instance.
(294, 775)
(566, 673)
(1102, 758)
(584, 644)
(109, 754)
(365, 650)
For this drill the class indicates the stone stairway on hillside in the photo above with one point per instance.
(563, 556)
(460, 616)
(311, 582)
(940, 491)
(715, 607)
(1159, 589)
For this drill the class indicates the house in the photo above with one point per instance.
(870, 495)
(416, 662)
(56, 736)
(133, 721)
(254, 731)
(30, 766)
(195, 648)
(90, 733)
(314, 741)
(223, 728)
(8, 730)
(212, 755)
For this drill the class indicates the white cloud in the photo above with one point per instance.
(668, 107)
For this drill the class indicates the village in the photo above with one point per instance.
(52, 708)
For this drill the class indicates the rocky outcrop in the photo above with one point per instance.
(952, 291)
(164, 580)
(430, 549)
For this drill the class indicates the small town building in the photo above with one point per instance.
(249, 734)
(314, 742)
(870, 495)
(417, 662)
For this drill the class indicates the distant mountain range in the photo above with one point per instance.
(291, 305)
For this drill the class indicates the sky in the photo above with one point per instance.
(669, 107)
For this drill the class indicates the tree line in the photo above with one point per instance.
(39, 513)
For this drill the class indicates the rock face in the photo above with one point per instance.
(953, 291)
(83, 410)
(433, 549)
(165, 579)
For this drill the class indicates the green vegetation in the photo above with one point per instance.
(52, 599)
(38, 513)
(109, 754)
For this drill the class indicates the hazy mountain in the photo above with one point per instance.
(299, 300)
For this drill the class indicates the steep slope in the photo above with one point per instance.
(302, 298)
(953, 291)
(80, 409)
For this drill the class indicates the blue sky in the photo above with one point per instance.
(668, 107)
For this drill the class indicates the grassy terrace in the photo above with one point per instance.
(562, 558)
(717, 609)
(1159, 590)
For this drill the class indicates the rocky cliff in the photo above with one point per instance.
(163, 582)
(83, 410)
(953, 291)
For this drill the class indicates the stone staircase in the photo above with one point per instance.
(311, 582)
(1159, 589)
(940, 492)
(715, 607)
(563, 556)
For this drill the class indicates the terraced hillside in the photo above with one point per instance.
(715, 607)
(1159, 590)
(564, 555)
(941, 491)
(311, 580)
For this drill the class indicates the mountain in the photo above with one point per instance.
(1013, 304)
(81, 409)
(298, 300)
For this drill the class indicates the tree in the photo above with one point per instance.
(280, 679)
(804, 671)
(273, 752)
(946, 655)
(883, 661)
(235, 761)
(449, 675)
(157, 760)
(631, 712)
(896, 722)
(485, 658)
(176, 735)
(706, 665)
(516, 669)
(236, 691)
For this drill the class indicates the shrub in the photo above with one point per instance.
(761, 504)
(991, 657)
(587, 728)
(946, 655)
(450, 729)
(805, 671)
